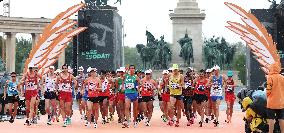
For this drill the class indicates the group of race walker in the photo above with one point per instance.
(101, 94)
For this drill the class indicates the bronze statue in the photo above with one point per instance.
(186, 51)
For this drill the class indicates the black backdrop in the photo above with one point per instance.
(100, 45)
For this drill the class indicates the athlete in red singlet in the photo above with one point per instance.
(93, 84)
(147, 92)
(64, 82)
(229, 96)
(30, 81)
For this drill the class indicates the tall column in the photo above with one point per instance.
(10, 52)
(187, 16)
(35, 37)
(61, 60)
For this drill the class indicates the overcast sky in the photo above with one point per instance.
(153, 14)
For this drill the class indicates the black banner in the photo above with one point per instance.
(100, 45)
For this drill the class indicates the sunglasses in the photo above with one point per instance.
(13, 76)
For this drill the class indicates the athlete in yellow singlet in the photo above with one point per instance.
(176, 83)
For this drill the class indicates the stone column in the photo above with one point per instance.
(35, 38)
(187, 16)
(61, 60)
(10, 52)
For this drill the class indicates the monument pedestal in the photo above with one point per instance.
(187, 17)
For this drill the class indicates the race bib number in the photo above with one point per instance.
(66, 87)
(147, 86)
(92, 86)
(175, 86)
(187, 85)
(229, 88)
(104, 86)
(216, 91)
(31, 86)
(201, 88)
(129, 85)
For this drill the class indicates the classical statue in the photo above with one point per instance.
(218, 52)
(186, 51)
(156, 53)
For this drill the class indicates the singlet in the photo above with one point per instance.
(200, 87)
(106, 88)
(174, 84)
(230, 88)
(216, 88)
(147, 88)
(130, 84)
(119, 82)
(65, 84)
(31, 82)
(188, 86)
(49, 84)
(92, 86)
(80, 79)
(12, 89)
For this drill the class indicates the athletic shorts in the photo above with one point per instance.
(131, 96)
(79, 96)
(166, 97)
(85, 96)
(29, 94)
(199, 98)
(275, 114)
(177, 97)
(12, 99)
(120, 97)
(187, 100)
(49, 95)
(94, 99)
(65, 96)
(230, 98)
(160, 98)
(102, 98)
(147, 99)
(215, 98)
(112, 97)
(2, 100)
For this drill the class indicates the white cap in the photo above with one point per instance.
(170, 69)
(216, 67)
(208, 70)
(148, 71)
(190, 68)
(81, 68)
(93, 69)
(122, 69)
(51, 67)
(165, 72)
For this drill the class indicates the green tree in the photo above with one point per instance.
(239, 64)
(23, 49)
(131, 56)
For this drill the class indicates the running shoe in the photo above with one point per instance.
(11, 119)
(135, 124)
(207, 120)
(177, 124)
(147, 124)
(125, 124)
(191, 120)
(68, 121)
(95, 125)
(28, 123)
(65, 123)
(165, 119)
(87, 124)
(103, 121)
(188, 123)
(170, 123)
(200, 124)
(216, 123)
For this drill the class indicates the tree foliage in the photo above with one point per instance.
(132, 57)
(23, 48)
